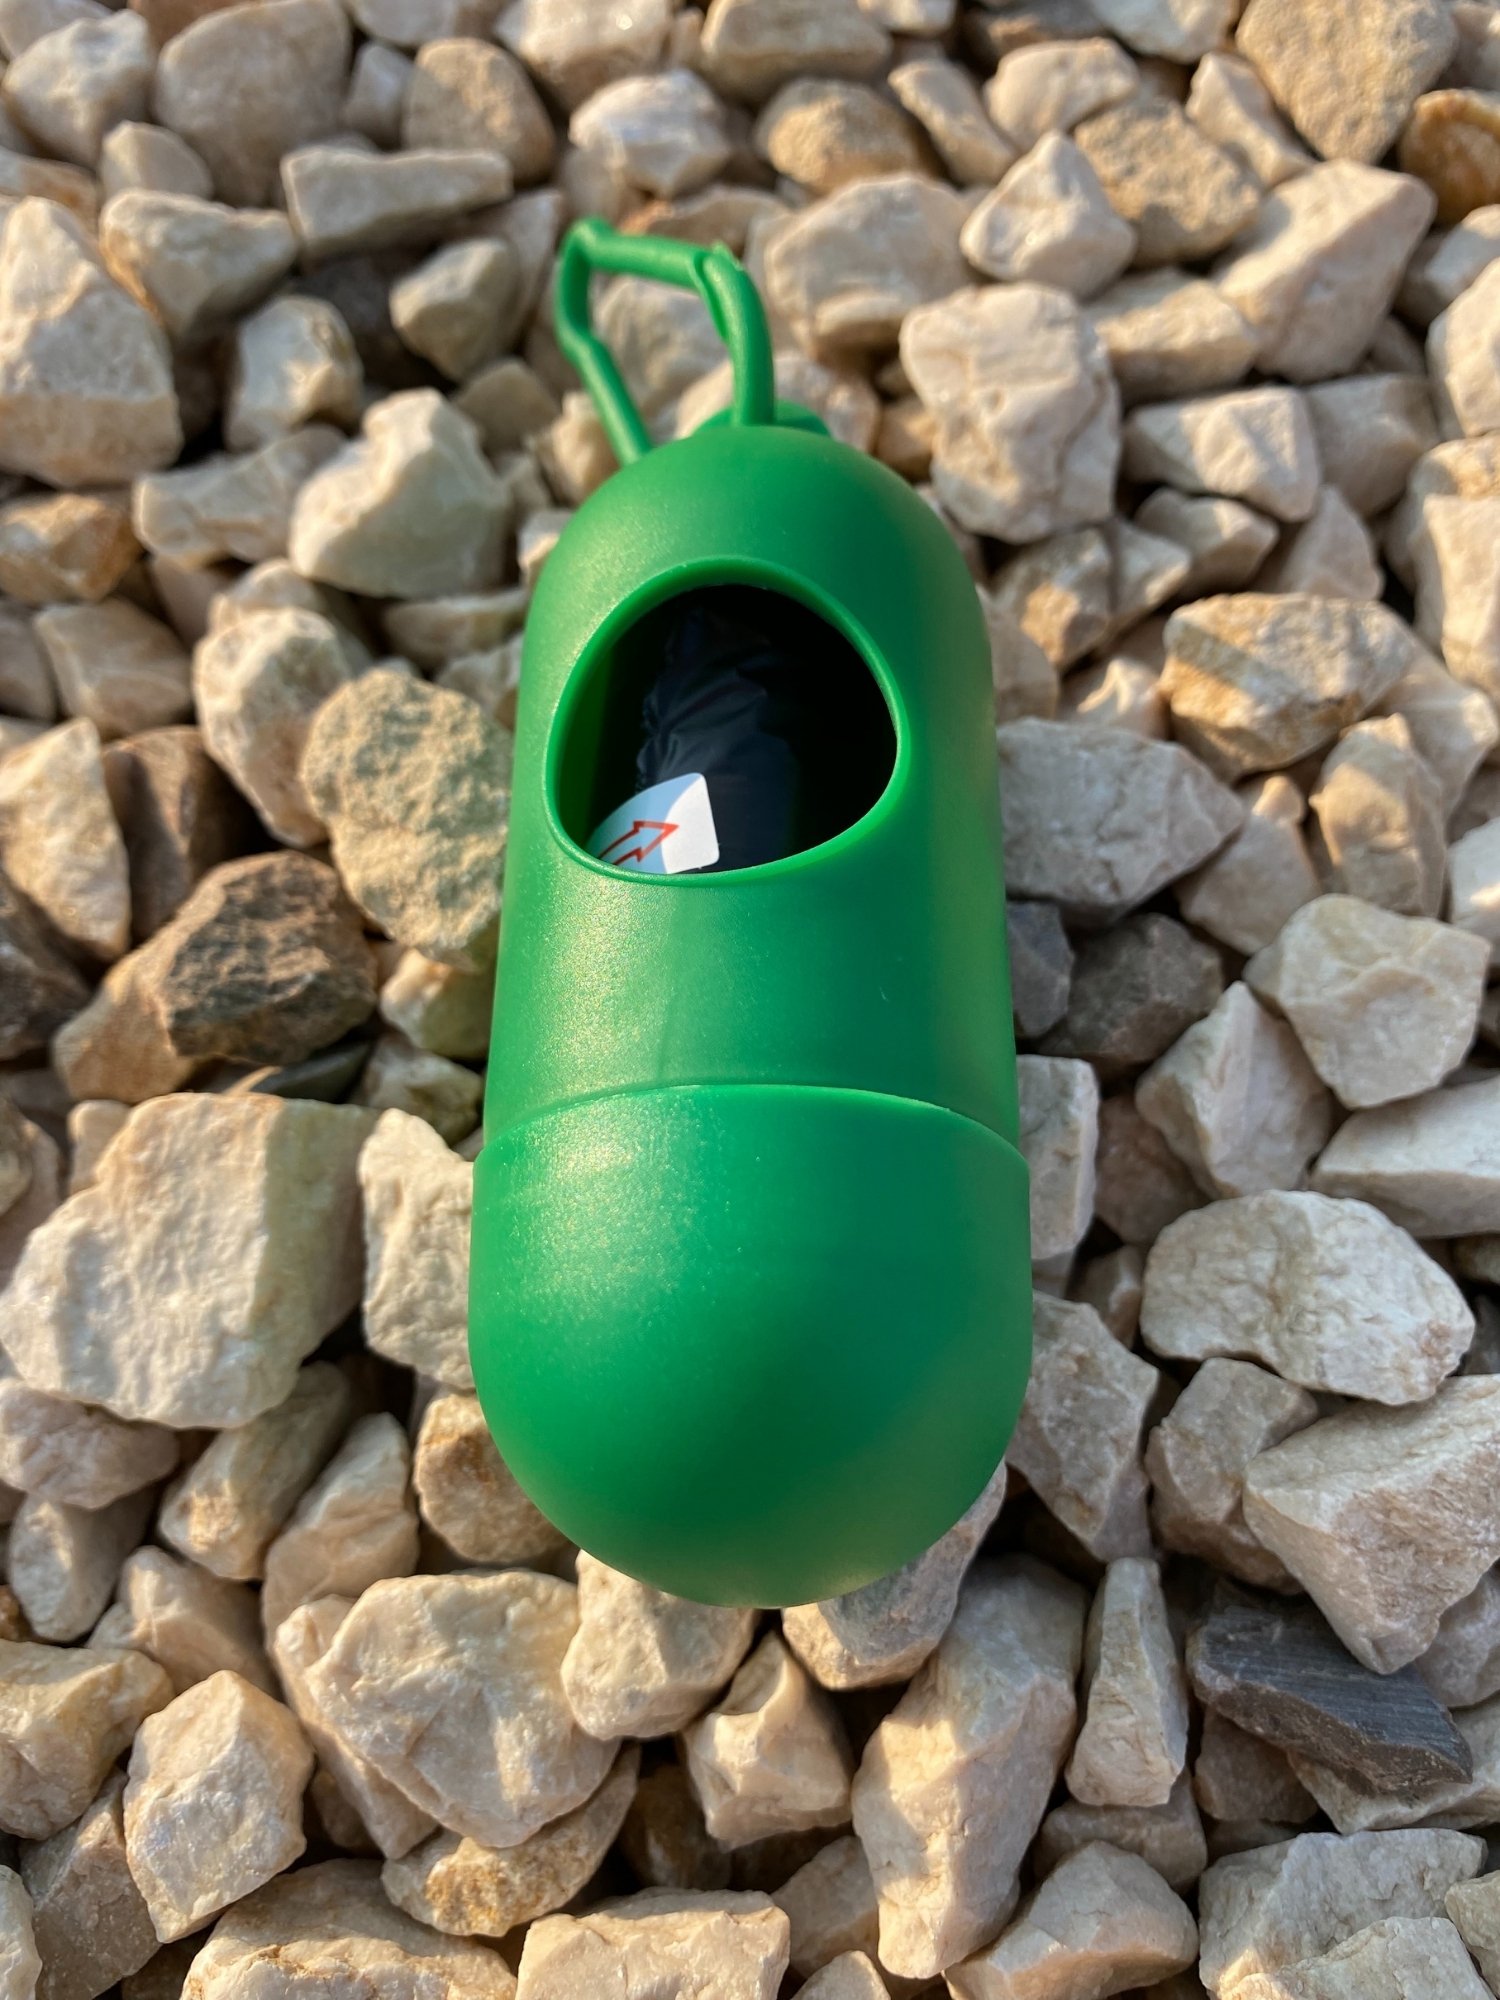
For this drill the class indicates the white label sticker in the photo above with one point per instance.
(666, 830)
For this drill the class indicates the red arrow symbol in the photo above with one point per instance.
(662, 828)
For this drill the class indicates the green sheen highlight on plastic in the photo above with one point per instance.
(750, 1286)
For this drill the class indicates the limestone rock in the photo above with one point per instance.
(301, 1639)
(749, 49)
(417, 1201)
(944, 100)
(830, 1904)
(194, 264)
(465, 92)
(294, 363)
(1048, 222)
(1385, 55)
(845, 272)
(665, 134)
(1450, 142)
(58, 547)
(329, 1927)
(66, 1713)
(1399, 1958)
(1098, 820)
(60, 843)
(664, 1838)
(850, 1976)
(1386, 1517)
(1256, 681)
(186, 1619)
(1461, 357)
(1380, 811)
(1462, 1665)
(884, 1632)
(62, 1561)
(246, 84)
(1052, 86)
(1197, 1458)
(437, 1008)
(1238, 1776)
(643, 1663)
(469, 1890)
(354, 1525)
(1249, 444)
(136, 155)
(20, 1964)
(1453, 727)
(231, 505)
(1168, 1838)
(1383, 1005)
(92, 1925)
(1133, 1744)
(136, 1294)
(1474, 875)
(1370, 431)
(1185, 196)
(1319, 266)
(1327, 1293)
(1101, 1919)
(468, 1494)
(1134, 991)
(426, 1668)
(1016, 465)
(1228, 101)
(1275, 1906)
(70, 86)
(955, 1780)
(62, 1450)
(413, 783)
(1059, 1132)
(227, 1507)
(1432, 1163)
(772, 1756)
(258, 682)
(43, 1193)
(1168, 334)
(1078, 1438)
(1471, 1905)
(342, 198)
(592, 44)
(1041, 963)
(1238, 1101)
(122, 669)
(85, 375)
(651, 1943)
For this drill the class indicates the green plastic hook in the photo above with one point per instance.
(719, 280)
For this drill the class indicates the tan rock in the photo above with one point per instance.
(424, 1668)
(194, 264)
(1301, 1248)
(92, 1925)
(1101, 1918)
(136, 155)
(665, 134)
(70, 86)
(226, 505)
(884, 1632)
(421, 858)
(1226, 542)
(326, 1926)
(1238, 1776)
(465, 92)
(850, 1976)
(1386, 55)
(734, 1943)
(749, 49)
(1257, 681)
(1471, 1905)
(1319, 266)
(20, 1963)
(258, 683)
(831, 1907)
(1461, 350)
(644, 1663)
(39, 1201)
(1462, 1665)
(1012, 465)
(67, 1713)
(246, 84)
(62, 546)
(1332, 554)
(955, 1780)
(1447, 263)
(1185, 196)
(64, 1451)
(355, 1524)
(115, 1302)
(1052, 86)
(417, 1199)
(301, 1639)
(1275, 1906)
(1380, 812)
(1474, 878)
(59, 841)
(1098, 819)
(1386, 1517)
(1249, 444)
(343, 198)
(62, 1562)
(591, 44)
(1432, 1163)
(468, 1890)
(186, 1619)
(213, 1802)
(1452, 142)
(1197, 1457)
(86, 390)
(944, 100)
(1237, 1100)
(437, 1008)
(1405, 1958)
(294, 363)
(1228, 102)
(772, 1756)
(1132, 1746)
(1370, 431)
(468, 1494)
(844, 273)
(1168, 334)
(1048, 222)
(121, 669)
(1168, 1838)
(1383, 1005)
(1458, 586)
(1059, 1136)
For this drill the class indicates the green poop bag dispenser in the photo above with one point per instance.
(750, 1297)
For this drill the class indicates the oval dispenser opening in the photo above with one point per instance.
(728, 727)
